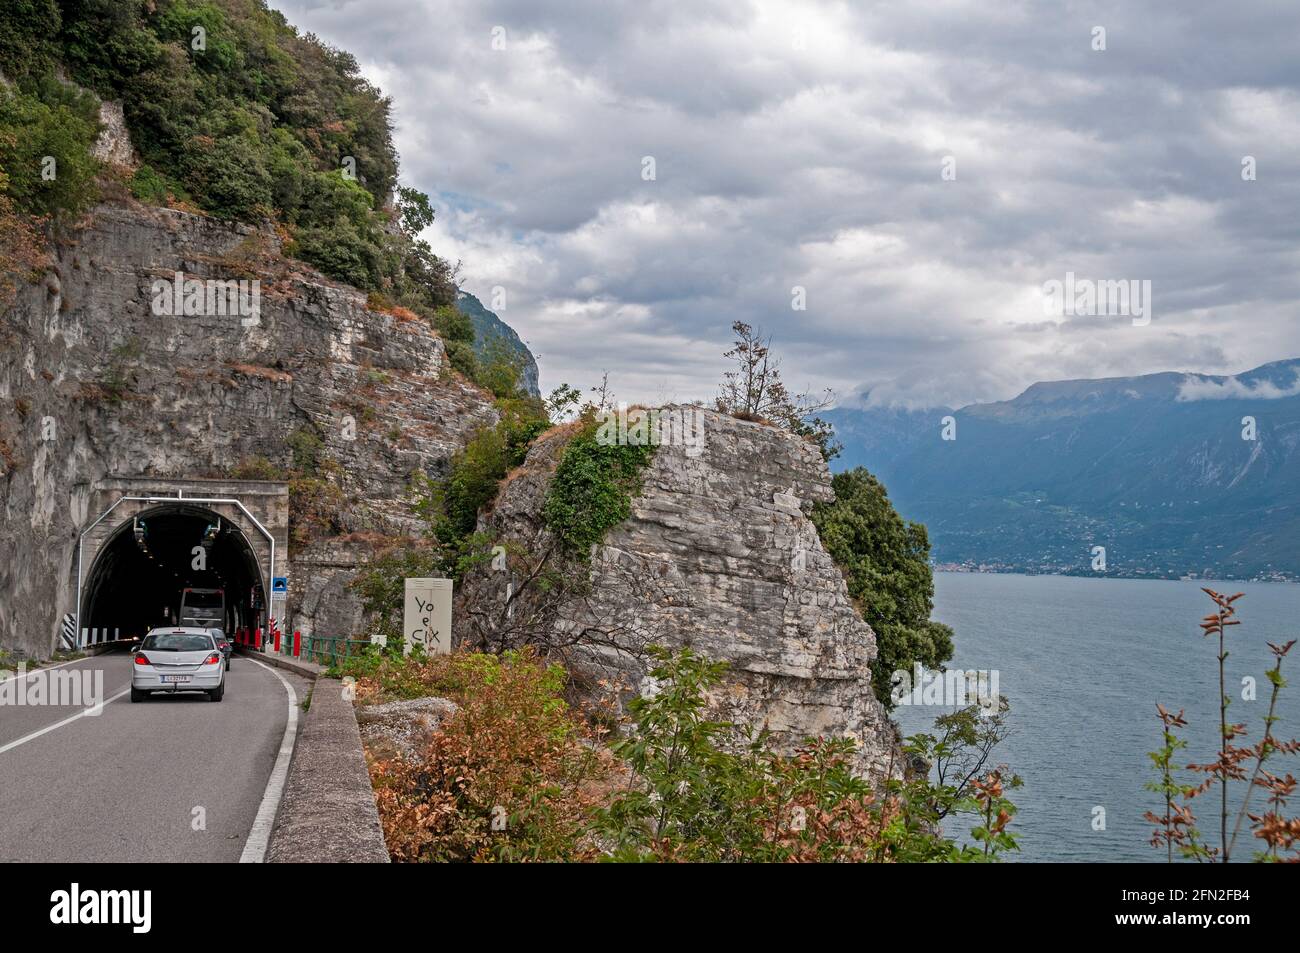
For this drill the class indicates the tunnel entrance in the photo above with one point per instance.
(144, 539)
(146, 563)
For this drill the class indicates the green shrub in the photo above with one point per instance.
(28, 30)
(498, 368)
(105, 45)
(306, 447)
(342, 252)
(49, 127)
(462, 359)
(221, 54)
(457, 333)
(477, 469)
(709, 791)
(886, 565)
(259, 123)
(315, 505)
(150, 187)
(330, 196)
(592, 490)
(453, 325)
(425, 279)
(226, 173)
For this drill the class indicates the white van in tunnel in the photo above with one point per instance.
(203, 608)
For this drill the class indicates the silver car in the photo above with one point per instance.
(178, 659)
(223, 644)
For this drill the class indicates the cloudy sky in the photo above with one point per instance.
(920, 168)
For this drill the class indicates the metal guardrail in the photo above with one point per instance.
(322, 649)
(328, 651)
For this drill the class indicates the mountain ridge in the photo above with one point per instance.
(1176, 473)
(1253, 373)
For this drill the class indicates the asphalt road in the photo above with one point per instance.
(174, 778)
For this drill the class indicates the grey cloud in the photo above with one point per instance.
(821, 167)
(1195, 387)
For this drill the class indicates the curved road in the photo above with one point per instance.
(128, 784)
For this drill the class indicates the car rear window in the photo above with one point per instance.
(177, 643)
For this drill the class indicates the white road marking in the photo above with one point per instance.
(259, 837)
(59, 724)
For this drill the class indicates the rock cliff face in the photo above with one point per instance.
(94, 383)
(719, 554)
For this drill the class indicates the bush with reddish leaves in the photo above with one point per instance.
(514, 775)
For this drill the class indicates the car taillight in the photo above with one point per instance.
(141, 660)
(213, 659)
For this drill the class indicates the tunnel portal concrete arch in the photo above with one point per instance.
(153, 538)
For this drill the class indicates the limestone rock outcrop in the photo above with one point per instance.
(114, 143)
(719, 554)
(402, 728)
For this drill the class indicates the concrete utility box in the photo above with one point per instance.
(428, 615)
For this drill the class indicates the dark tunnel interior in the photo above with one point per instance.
(140, 574)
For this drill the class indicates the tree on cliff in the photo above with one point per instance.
(886, 564)
(885, 560)
(754, 390)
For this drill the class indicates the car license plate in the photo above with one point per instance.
(175, 678)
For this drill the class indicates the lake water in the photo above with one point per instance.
(1083, 663)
